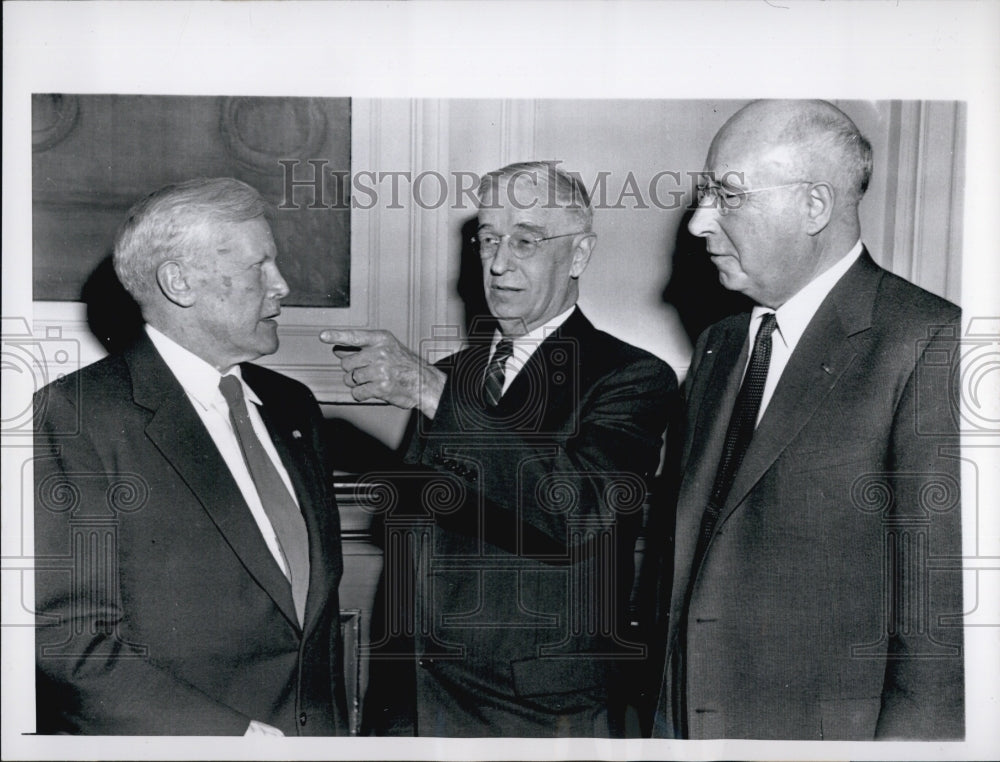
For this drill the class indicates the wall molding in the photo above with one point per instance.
(924, 194)
(517, 131)
(429, 226)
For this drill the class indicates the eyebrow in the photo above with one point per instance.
(520, 226)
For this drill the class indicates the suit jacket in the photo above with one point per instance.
(526, 553)
(160, 609)
(828, 603)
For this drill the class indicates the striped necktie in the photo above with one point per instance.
(493, 381)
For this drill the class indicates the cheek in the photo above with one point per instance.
(243, 288)
(217, 287)
(257, 283)
(746, 242)
(733, 234)
(554, 280)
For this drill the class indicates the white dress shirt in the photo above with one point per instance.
(793, 318)
(200, 382)
(525, 346)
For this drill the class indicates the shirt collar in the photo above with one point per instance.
(524, 346)
(198, 378)
(794, 315)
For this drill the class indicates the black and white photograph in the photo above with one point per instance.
(483, 380)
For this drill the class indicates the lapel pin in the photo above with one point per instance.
(296, 434)
(827, 369)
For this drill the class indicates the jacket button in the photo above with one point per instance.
(302, 719)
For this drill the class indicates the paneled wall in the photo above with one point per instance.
(649, 281)
(407, 273)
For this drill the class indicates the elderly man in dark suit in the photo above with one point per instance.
(186, 533)
(549, 429)
(819, 501)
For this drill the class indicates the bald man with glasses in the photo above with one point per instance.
(815, 590)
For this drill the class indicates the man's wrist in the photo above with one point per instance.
(431, 388)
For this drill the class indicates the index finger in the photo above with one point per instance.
(351, 337)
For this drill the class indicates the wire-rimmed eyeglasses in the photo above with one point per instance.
(522, 245)
(726, 200)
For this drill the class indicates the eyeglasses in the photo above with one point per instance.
(726, 200)
(521, 245)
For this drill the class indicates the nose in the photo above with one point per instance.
(503, 260)
(704, 220)
(277, 285)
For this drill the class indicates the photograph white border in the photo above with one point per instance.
(886, 49)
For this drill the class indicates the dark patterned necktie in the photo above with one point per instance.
(284, 515)
(741, 428)
(493, 381)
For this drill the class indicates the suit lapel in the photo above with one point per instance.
(726, 356)
(180, 436)
(718, 382)
(473, 360)
(820, 358)
(545, 383)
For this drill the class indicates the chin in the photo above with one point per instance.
(503, 311)
(267, 345)
(732, 281)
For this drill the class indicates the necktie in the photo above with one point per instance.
(493, 382)
(741, 428)
(284, 515)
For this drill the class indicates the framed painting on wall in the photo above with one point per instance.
(93, 156)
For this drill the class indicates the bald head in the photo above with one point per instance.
(793, 173)
(804, 140)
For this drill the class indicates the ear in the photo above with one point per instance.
(821, 202)
(174, 284)
(582, 250)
